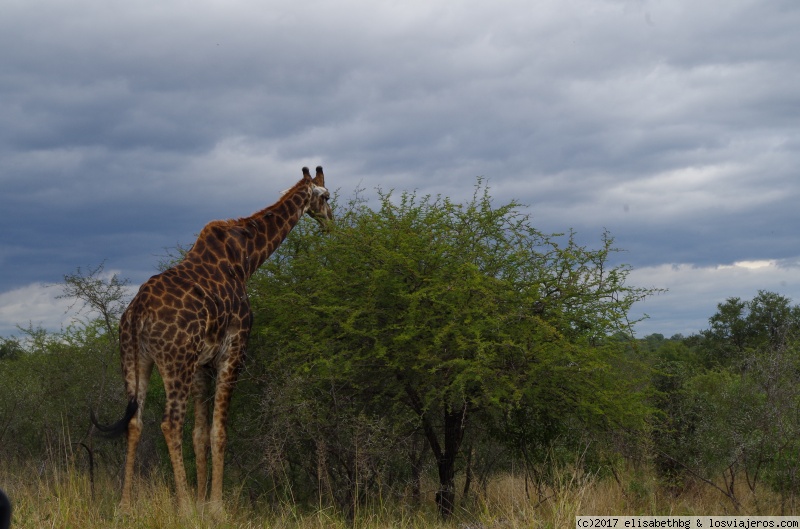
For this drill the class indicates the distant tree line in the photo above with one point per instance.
(425, 341)
(728, 400)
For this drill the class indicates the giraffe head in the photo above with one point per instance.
(319, 209)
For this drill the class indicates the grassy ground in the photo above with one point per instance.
(63, 499)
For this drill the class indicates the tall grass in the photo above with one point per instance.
(61, 497)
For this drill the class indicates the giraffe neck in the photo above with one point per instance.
(240, 246)
(272, 225)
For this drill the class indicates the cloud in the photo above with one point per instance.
(40, 305)
(34, 305)
(695, 291)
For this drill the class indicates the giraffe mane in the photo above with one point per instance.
(243, 221)
(283, 197)
(285, 192)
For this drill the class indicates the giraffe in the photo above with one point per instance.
(192, 322)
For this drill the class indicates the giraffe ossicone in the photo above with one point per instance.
(192, 322)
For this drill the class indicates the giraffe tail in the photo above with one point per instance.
(121, 426)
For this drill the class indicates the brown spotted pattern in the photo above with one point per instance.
(192, 322)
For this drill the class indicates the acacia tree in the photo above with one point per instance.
(446, 310)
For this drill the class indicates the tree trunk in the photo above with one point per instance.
(455, 423)
(446, 495)
(454, 426)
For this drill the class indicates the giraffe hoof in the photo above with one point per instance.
(123, 509)
(215, 509)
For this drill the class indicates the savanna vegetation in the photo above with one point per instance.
(428, 361)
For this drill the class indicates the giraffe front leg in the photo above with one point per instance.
(201, 431)
(226, 380)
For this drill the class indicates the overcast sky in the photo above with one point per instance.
(674, 124)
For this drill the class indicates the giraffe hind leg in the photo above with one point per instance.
(226, 380)
(136, 394)
(177, 390)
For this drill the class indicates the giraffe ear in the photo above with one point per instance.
(306, 173)
(320, 178)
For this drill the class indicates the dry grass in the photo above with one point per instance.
(63, 499)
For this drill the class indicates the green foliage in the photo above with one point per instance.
(10, 349)
(674, 432)
(49, 386)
